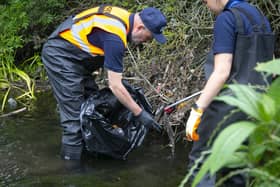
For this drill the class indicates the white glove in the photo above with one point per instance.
(193, 123)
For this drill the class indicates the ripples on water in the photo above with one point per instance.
(29, 156)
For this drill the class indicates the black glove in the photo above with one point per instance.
(146, 119)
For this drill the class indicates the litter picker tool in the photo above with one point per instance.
(172, 107)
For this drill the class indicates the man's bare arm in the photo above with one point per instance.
(118, 89)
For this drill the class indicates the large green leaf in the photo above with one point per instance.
(246, 99)
(257, 147)
(267, 108)
(270, 67)
(228, 141)
(255, 104)
(273, 91)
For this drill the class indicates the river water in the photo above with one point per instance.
(29, 156)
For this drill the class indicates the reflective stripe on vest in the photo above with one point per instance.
(92, 18)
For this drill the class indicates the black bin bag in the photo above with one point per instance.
(108, 127)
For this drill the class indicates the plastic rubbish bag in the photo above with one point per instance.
(108, 127)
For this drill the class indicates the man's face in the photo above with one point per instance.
(214, 5)
(140, 35)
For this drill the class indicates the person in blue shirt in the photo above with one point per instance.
(95, 38)
(234, 54)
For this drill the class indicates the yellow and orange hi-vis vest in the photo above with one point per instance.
(111, 19)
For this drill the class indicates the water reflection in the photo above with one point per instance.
(29, 156)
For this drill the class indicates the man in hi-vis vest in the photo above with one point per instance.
(95, 38)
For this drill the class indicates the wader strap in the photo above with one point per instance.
(264, 27)
(101, 12)
(239, 22)
(256, 27)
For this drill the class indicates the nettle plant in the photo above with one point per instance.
(259, 159)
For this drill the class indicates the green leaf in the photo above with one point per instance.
(267, 108)
(27, 80)
(270, 67)
(237, 159)
(273, 166)
(256, 152)
(277, 115)
(4, 84)
(228, 141)
(246, 99)
(5, 99)
(273, 91)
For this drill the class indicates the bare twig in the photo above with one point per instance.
(13, 112)
(143, 77)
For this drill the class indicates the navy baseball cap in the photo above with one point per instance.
(155, 21)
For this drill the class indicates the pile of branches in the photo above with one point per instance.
(173, 71)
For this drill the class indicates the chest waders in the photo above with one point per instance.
(69, 71)
(250, 49)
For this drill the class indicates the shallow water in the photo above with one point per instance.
(29, 156)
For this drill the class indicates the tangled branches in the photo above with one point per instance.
(175, 70)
